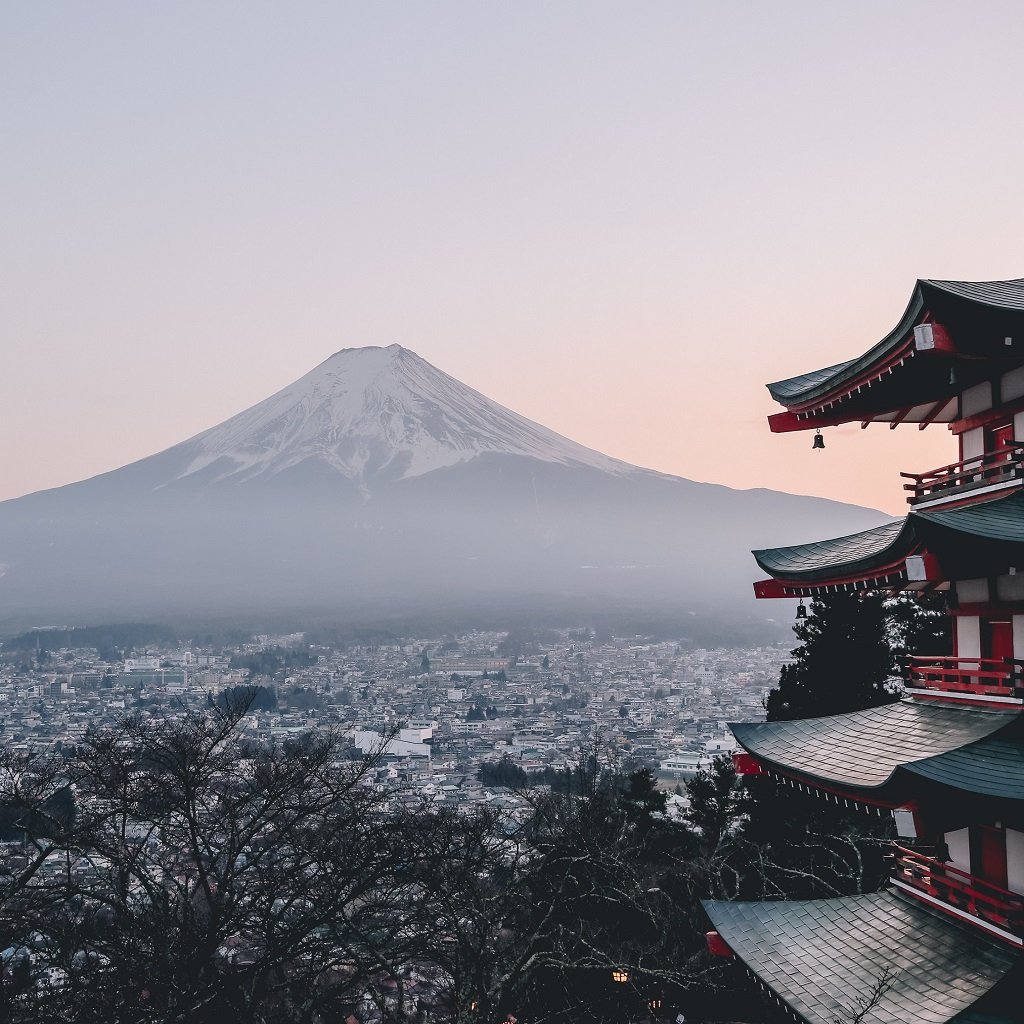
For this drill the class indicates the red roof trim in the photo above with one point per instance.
(892, 576)
(871, 375)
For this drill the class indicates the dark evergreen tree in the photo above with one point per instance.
(844, 662)
(852, 648)
(714, 802)
(919, 624)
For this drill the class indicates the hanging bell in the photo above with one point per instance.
(801, 610)
(952, 375)
(819, 441)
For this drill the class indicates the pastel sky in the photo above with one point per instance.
(619, 219)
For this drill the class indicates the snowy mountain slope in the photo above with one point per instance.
(377, 412)
(378, 485)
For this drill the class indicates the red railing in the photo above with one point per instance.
(995, 677)
(994, 467)
(960, 890)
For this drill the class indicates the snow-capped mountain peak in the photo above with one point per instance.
(367, 412)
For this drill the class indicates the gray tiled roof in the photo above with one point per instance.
(822, 956)
(864, 748)
(999, 519)
(991, 767)
(994, 294)
(851, 553)
(795, 386)
(1005, 296)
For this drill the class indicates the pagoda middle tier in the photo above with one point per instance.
(926, 550)
(891, 755)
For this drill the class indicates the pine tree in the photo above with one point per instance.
(851, 648)
(844, 662)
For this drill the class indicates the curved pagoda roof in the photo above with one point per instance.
(825, 958)
(972, 750)
(1000, 520)
(991, 767)
(854, 553)
(900, 379)
(965, 541)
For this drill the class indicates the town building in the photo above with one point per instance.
(944, 941)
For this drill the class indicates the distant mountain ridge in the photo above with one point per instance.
(375, 485)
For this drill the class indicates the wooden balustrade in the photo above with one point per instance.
(994, 467)
(960, 890)
(997, 677)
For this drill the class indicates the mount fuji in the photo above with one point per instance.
(376, 413)
(376, 487)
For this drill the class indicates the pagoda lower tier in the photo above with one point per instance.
(951, 776)
(882, 957)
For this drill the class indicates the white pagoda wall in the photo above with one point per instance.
(972, 591)
(1012, 385)
(976, 399)
(972, 443)
(959, 843)
(1015, 860)
(968, 636)
(968, 627)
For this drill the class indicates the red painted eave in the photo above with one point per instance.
(747, 764)
(717, 946)
(891, 577)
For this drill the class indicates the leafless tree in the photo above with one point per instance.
(203, 879)
(858, 1011)
(201, 884)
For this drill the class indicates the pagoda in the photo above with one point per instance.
(944, 941)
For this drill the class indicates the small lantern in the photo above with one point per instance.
(619, 976)
(801, 610)
(819, 441)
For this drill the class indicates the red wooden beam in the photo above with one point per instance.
(900, 417)
(747, 764)
(873, 579)
(786, 422)
(983, 419)
(717, 946)
(933, 413)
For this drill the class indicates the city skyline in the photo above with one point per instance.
(603, 218)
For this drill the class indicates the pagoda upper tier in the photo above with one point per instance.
(953, 335)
